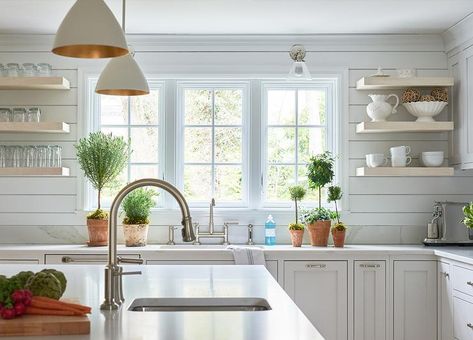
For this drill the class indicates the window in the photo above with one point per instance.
(213, 143)
(295, 122)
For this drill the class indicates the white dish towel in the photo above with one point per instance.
(247, 255)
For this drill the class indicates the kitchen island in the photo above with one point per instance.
(85, 283)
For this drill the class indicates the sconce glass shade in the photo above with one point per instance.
(299, 71)
(90, 30)
(122, 77)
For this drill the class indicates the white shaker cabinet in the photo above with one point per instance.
(415, 300)
(445, 307)
(369, 296)
(320, 290)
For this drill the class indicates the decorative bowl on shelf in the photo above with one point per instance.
(424, 111)
(432, 158)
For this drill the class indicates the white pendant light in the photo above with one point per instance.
(122, 76)
(90, 30)
(299, 70)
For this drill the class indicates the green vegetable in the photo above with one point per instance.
(60, 276)
(7, 287)
(45, 284)
(19, 280)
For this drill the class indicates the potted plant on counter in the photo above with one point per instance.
(468, 219)
(339, 229)
(319, 174)
(296, 229)
(137, 206)
(102, 157)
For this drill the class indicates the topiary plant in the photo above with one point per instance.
(297, 193)
(468, 212)
(320, 172)
(102, 157)
(137, 206)
(334, 195)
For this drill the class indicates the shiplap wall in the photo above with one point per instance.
(381, 210)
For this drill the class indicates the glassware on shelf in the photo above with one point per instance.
(56, 156)
(30, 156)
(2, 70)
(13, 70)
(19, 114)
(33, 115)
(29, 70)
(5, 115)
(44, 69)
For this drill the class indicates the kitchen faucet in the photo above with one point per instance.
(113, 272)
(211, 233)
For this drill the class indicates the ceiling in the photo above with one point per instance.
(251, 16)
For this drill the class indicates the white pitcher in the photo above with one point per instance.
(380, 109)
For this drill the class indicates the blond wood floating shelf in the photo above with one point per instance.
(34, 83)
(404, 172)
(29, 127)
(393, 83)
(387, 127)
(34, 171)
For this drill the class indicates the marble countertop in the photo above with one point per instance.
(284, 321)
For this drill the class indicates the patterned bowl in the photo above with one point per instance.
(424, 111)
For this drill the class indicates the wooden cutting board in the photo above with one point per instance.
(30, 325)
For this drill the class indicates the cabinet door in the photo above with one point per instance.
(320, 290)
(189, 262)
(457, 142)
(415, 300)
(370, 300)
(467, 114)
(445, 308)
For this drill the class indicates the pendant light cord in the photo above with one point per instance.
(123, 15)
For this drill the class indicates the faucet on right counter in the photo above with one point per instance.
(211, 233)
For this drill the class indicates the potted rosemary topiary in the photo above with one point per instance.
(339, 229)
(137, 206)
(102, 157)
(296, 229)
(319, 174)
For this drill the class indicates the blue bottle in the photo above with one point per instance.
(270, 231)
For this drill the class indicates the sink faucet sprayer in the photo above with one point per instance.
(113, 272)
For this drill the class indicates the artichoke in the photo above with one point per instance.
(60, 276)
(19, 280)
(45, 284)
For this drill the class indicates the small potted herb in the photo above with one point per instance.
(468, 220)
(339, 229)
(137, 206)
(102, 157)
(296, 229)
(319, 173)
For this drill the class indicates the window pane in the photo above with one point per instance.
(144, 145)
(279, 179)
(197, 182)
(228, 145)
(143, 171)
(311, 195)
(109, 193)
(281, 145)
(311, 107)
(198, 106)
(113, 110)
(144, 109)
(117, 132)
(198, 145)
(228, 183)
(312, 141)
(281, 107)
(228, 107)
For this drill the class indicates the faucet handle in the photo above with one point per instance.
(129, 260)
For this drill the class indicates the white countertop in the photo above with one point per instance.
(284, 321)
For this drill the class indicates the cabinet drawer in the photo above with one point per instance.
(84, 259)
(463, 280)
(189, 262)
(462, 319)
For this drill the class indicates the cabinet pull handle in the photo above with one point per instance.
(469, 325)
(316, 265)
(68, 259)
(445, 274)
(369, 265)
(469, 283)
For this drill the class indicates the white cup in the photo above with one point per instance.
(400, 161)
(374, 160)
(400, 151)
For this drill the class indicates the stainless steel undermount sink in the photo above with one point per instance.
(212, 304)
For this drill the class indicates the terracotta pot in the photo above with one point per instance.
(319, 232)
(136, 235)
(338, 238)
(98, 232)
(296, 237)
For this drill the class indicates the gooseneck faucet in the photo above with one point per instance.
(113, 272)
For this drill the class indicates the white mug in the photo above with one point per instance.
(374, 160)
(400, 151)
(400, 161)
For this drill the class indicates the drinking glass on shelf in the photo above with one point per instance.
(30, 155)
(44, 69)
(5, 115)
(19, 114)
(18, 158)
(13, 70)
(42, 158)
(29, 70)
(56, 157)
(33, 115)
(3, 156)
(2, 70)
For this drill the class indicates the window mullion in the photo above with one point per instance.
(129, 138)
(213, 144)
(297, 137)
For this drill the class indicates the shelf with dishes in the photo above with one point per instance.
(34, 127)
(30, 76)
(392, 127)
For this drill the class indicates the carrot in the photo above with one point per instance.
(42, 311)
(47, 303)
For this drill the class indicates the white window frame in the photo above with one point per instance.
(244, 86)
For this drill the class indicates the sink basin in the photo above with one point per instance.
(212, 304)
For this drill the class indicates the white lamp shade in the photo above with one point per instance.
(122, 77)
(299, 71)
(90, 30)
